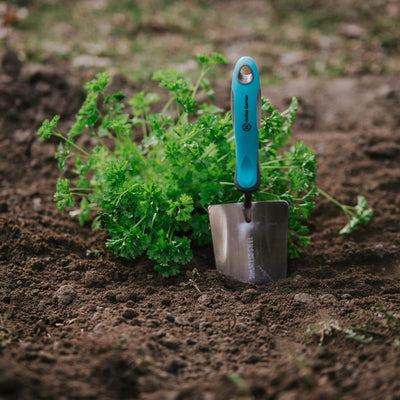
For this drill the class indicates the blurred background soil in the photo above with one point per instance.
(287, 38)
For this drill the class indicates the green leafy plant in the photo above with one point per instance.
(150, 177)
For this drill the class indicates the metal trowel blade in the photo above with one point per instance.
(254, 251)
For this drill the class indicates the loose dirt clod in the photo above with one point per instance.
(65, 295)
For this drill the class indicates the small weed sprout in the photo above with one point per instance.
(240, 384)
(192, 275)
(327, 328)
(94, 253)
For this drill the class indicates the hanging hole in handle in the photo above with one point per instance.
(245, 75)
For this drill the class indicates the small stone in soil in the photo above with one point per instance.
(303, 298)
(65, 295)
(204, 299)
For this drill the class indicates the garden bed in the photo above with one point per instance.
(76, 322)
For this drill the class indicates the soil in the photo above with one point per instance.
(78, 323)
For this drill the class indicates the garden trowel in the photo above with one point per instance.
(249, 238)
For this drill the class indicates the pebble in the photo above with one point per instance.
(204, 299)
(303, 298)
(65, 295)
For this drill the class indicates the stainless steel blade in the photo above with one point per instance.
(253, 251)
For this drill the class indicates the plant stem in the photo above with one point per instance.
(69, 141)
(346, 209)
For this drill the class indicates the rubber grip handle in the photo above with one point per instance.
(246, 113)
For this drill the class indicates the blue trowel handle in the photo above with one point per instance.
(246, 113)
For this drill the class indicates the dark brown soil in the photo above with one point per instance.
(77, 323)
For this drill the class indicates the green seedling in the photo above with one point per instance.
(327, 328)
(150, 177)
(95, 253)
(239, 383)
(192, 275)
(392, 320)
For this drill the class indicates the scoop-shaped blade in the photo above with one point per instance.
(253, 251)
